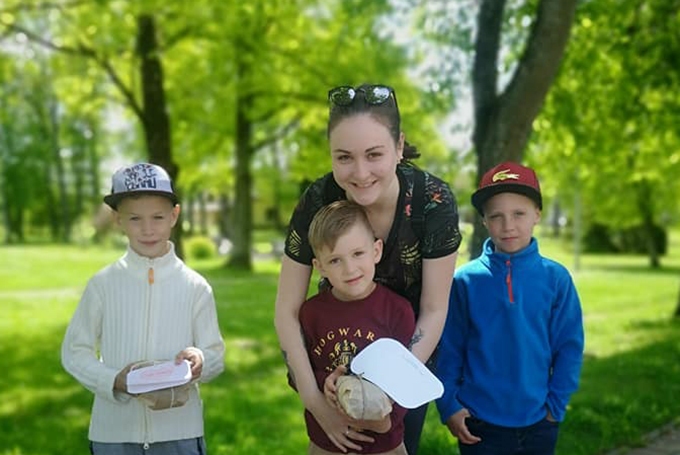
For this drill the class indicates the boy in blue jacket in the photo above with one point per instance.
(511, 352)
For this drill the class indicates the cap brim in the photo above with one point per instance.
(482, 195)
(112, 200)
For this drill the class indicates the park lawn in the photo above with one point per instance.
(630, 383)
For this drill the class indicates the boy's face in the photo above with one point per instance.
(510, 219)
(147, 221)
(350, 266)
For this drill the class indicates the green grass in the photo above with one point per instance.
(630, 383)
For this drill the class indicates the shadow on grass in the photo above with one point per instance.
(625, 396)
(621, 398)
(250, 410)
(43, 410)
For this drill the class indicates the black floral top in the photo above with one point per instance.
(400, 268)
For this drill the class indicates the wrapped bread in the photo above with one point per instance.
(362, 399)
(157, 400)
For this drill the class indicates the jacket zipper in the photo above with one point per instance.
(508, 281)
(150, 279)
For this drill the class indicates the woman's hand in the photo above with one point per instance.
(330, 391)
(457, 427)
(337, 426)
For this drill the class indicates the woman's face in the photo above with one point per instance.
(364, 158)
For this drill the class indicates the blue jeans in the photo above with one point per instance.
(537, 439)
(194, 446)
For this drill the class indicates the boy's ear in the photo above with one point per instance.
(175, 214)
(317, 265)
(377, 250)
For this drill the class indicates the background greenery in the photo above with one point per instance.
(230, 96)
(629, 384)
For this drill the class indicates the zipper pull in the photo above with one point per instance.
(508, 281)
(150, 275)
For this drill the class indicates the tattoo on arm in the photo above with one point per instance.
(417, 336)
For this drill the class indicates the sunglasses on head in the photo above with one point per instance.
(373, 94)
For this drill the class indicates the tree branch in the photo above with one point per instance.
(525, 94)
(279, 134)
(485, 66)
(83, 50)
(25, 6)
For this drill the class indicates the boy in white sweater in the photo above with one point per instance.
(147, 306)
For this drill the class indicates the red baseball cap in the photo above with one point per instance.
(507, 177)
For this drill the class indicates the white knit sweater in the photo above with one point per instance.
(141, 309)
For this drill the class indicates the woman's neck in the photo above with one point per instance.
(381, 213)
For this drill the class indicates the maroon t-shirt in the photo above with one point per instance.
(335, 331)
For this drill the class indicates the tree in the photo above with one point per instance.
(517, 49)
(612, 115)
(503, 121)
(151, 110)
(233, 79)
(278, 96)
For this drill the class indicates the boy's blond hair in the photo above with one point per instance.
(333, 221)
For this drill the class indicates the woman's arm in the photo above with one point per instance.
(292, 292)
(434, 301)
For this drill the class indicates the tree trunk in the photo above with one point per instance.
(202, 214)
(224, 216)
(190, 211)
(92, 166)
(243, 217)
(277, 153)
(5, 195)
(155, 119)
(64, 206)
(677, 308)
(643, 194)
(53, 217)
(503, 121)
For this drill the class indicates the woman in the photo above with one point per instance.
(369, 166)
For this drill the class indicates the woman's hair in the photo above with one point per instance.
(386, 113)
(333, 221)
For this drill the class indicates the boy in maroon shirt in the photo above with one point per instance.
(340, 321)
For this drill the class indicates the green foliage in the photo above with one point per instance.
(608, 130)
(279, 56)
(199, 247)
(632, 240)
(629, 380)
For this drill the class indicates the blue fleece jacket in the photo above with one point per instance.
(512, 346)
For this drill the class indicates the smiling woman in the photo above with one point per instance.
(412, 212)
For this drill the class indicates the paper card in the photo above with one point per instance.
(393, 368)
(159, 376)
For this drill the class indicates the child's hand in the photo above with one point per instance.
(329, 389)
(457, 427)
(549, 417)
(195, 358)
(120, 384)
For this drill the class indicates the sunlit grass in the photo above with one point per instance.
(630, 383)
